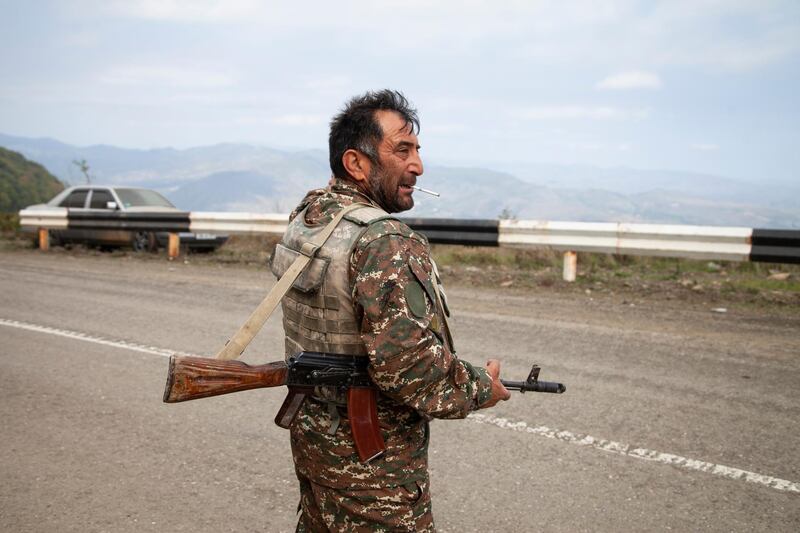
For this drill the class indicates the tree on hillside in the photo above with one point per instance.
(507, 214)
(84, 168)
(24, 182)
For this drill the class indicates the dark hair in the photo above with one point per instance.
(357, 127)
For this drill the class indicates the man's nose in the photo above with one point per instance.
(415, 165)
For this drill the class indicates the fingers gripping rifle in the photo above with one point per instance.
(533, 384)
(189, 378)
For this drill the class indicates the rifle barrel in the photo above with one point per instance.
(536, 386)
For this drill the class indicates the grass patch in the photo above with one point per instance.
(757, 285)
(479, 256)
(243, 249)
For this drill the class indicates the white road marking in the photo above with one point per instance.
(504, 423)
(638, 453)
(154, 350)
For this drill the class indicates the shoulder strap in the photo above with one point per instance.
(368, 215)
(237, 344)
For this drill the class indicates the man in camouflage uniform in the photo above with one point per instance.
(374, 292)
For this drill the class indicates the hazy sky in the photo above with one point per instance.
(699, 85)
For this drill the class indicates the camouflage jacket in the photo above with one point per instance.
(411, 361)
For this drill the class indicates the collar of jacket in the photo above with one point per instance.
(348, 188)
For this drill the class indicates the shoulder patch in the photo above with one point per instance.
(415, 299)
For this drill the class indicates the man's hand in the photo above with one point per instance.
(499, 392)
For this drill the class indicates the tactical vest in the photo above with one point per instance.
(318, 311)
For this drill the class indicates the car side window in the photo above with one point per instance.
(75, 199)
(100, 198)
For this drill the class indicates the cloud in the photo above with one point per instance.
(444, 128)
(299, 120)
(587, 146)
(183, 10)
(724, 34)
(705, 147)
(732, 35)
(632, 79)
(169, 76)
(574, 112)
(332, 82)
(82, 39)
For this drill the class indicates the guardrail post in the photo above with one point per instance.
(174, 245)
(44, 239)
(570, 266)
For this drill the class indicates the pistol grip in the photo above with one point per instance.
(288, 411)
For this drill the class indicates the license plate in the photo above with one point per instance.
(205, 236)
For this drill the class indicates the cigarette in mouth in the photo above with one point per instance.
(420, 189)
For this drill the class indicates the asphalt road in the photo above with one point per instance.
(673, 419)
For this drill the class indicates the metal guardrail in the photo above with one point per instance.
(696, 242)
(63, 218)
(239, 223)
(50, 219)
(775, 246)
(469, 232)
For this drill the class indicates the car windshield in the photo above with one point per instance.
(142, 197)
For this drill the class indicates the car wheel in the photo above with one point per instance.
(143, 241)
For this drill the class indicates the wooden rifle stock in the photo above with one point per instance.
(189, 378)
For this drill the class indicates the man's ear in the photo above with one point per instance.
(357, 165)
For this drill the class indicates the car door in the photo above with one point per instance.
(103, 202)
(76, 200)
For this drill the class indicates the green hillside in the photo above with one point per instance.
(24, 182)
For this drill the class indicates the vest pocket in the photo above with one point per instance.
(312, 276)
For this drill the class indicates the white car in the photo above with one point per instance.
(100, 199)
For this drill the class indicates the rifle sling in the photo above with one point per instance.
(242, 338)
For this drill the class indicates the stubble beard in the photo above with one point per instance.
(389, 200)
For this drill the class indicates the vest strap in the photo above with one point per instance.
(242, 338)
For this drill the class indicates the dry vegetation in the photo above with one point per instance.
(632, 278)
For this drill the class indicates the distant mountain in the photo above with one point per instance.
(238, 191)
(630, 181)
(241, 177)
(24, 182)
(466, 191)
(167, 168)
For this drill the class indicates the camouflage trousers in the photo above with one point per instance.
(404, 508)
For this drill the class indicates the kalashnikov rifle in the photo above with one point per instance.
(189, 378)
